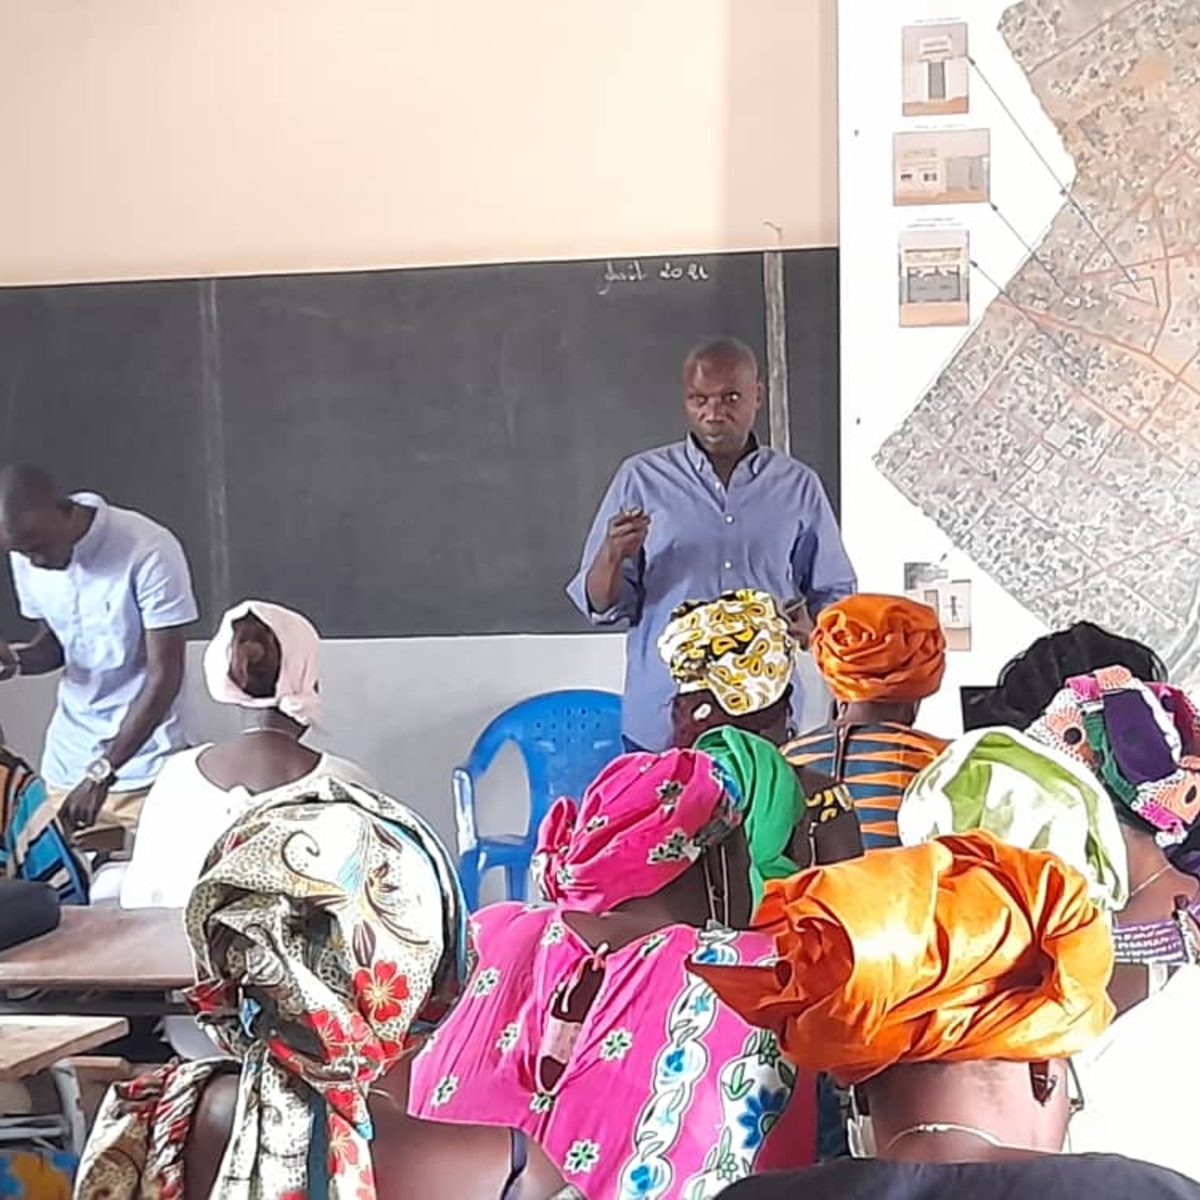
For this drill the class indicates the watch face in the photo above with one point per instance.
(100, 770)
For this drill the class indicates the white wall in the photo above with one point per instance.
(407, 710)
(886, 369)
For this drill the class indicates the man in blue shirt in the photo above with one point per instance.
(111, 593)
(701, 517)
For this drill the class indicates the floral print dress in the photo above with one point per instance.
(666, 1093)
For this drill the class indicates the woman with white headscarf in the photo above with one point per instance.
(263, 659)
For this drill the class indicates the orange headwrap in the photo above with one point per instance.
(959, 950)
(879, 648)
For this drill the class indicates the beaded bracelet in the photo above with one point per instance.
(1171, 941)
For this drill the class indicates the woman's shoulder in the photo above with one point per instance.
(810, 749)
(333, 767)
(514, 924)
(183, 764)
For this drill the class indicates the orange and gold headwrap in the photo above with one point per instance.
(962, 949)
(879, 648)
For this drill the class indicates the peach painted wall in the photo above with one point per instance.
(173, 137)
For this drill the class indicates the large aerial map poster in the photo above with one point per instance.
(1055, 441)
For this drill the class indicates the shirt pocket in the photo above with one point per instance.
(106, 640)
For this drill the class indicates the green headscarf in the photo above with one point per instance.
(772, 794)
(1028, 795)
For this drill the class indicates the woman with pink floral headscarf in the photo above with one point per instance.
(582, 1026)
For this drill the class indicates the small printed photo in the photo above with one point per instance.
(942, 166)
(936, 71)
(935, 277)
(930, 583)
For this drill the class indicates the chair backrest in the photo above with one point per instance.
(565, 738)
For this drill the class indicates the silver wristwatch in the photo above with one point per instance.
(100, 771)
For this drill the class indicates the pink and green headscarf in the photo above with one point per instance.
(1141, 739)
(642, 823)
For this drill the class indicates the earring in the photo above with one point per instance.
(724, 885)
(1043, 1081)
(718, 897)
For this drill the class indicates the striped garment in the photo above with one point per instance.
(876, 763)
(34, 846)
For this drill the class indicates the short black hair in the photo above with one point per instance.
(25, 489)
(724, 349)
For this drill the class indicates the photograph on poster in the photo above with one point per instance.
(930, 583)
(941, 166)
(936, 70)
(935, 277)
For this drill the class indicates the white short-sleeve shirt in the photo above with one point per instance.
(127, 575)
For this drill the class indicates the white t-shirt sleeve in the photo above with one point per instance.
(162, 584)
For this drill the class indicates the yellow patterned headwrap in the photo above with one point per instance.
(738, 647)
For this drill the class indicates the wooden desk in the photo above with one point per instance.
(104, 949)
(32, 1044)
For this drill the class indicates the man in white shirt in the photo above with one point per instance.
(111, 593)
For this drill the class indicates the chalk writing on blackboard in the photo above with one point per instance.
(633, 271)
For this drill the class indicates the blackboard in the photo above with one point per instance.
(395, 453)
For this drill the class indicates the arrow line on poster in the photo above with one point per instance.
(1062, 187)
(1042, 329)
(1030, 250)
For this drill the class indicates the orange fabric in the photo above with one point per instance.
(879, 648)
(771, 914)
(961, 949)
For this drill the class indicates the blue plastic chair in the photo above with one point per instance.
(566, 738)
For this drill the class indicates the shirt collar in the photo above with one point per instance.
(754, 458)
(95, 534)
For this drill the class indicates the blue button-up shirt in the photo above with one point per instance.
(127, 574)
(772, 529)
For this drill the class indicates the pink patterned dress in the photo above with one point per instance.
(666, 1092)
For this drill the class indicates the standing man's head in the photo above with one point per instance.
(722, 394)
(35, 520)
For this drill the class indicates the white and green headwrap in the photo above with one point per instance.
(1028, 795)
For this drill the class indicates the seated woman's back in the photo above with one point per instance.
(582, 1025)
(330, 937)
(257, 764)
(410, 1158)
(263, 659)
(880, 657)
(679, 1074)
